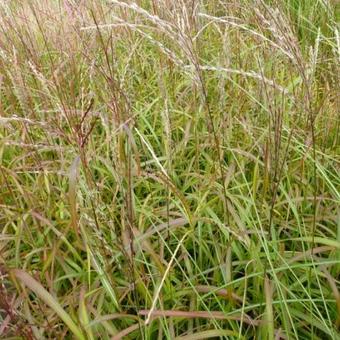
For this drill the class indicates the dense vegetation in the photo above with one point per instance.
(169, 169)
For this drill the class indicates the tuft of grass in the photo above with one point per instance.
(169, 169)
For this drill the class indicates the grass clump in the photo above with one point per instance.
(169, 169)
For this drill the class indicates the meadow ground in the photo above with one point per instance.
(169, 169)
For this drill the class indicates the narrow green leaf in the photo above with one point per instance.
(43, 294)
(214, 333)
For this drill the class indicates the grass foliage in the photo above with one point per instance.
(169, 169)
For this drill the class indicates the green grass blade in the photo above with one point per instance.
(43, 294)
